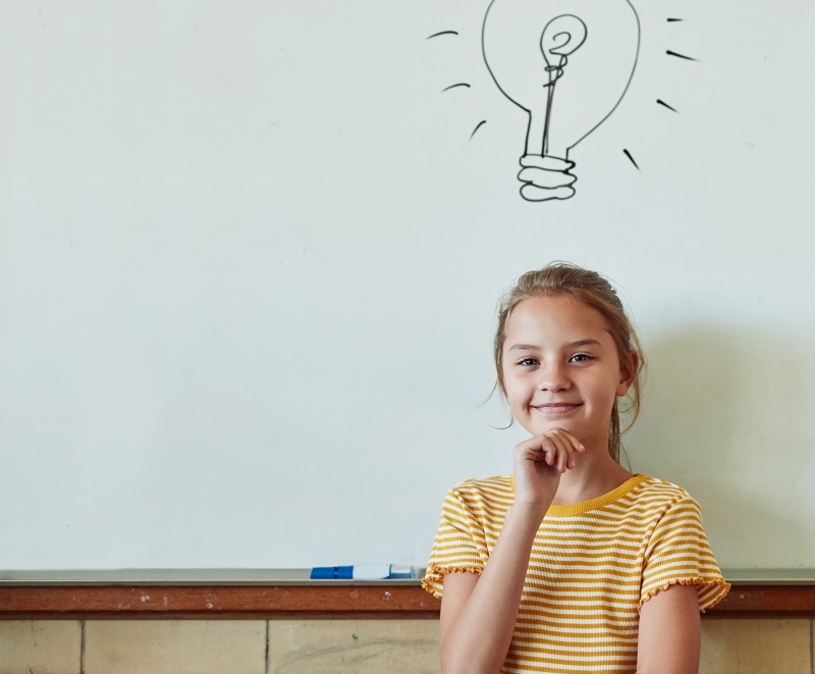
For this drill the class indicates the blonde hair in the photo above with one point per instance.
(588, 287)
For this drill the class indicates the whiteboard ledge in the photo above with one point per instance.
(181, 577)
(227, 577)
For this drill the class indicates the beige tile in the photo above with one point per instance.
(175, 647)
(756, 647)
(354, 647)
(42, 647)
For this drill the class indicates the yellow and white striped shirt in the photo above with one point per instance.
(593, 565)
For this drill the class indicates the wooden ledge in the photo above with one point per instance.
(217, 602)
(308, 601)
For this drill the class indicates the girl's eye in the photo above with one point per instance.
(528, 362)
(581, 358)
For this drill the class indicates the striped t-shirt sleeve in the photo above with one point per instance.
(460, 544)
(678, 552)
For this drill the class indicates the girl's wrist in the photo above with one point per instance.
(528, 513)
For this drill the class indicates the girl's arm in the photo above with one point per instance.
(670, 632)
(478, 613)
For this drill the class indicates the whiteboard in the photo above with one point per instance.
(250, 254)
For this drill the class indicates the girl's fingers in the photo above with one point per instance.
(539, 463)
(573, 441)
(564, 455)
(559, 448)
(571, 446)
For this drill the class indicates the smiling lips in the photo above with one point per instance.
(555, 409)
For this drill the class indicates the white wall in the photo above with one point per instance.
(249, 259)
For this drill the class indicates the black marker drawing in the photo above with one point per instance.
(631, 159)
(568, 64)
(477, 127)
(681, 56)
(665, 105)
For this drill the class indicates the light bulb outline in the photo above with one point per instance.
(537, 137)
(531, 163)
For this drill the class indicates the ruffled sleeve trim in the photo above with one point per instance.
(711, 592)
(434, 576)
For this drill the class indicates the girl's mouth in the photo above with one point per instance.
(556, 408)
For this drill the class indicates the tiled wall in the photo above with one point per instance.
(330, 646)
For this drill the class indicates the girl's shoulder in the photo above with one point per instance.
(657, 488)
(641, 493)
(497, 490)
(654, 495)
(639, 486)
(498, 482)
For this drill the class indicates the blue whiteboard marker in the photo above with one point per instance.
(364, 572)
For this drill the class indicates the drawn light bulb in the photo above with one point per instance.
(568, 64)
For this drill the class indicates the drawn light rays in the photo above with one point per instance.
(661, 103)
(457, 85)
(680, 56)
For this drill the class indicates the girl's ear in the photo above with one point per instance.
(628, 372)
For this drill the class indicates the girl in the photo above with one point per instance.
(572, 564)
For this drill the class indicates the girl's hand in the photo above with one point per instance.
(539, 463)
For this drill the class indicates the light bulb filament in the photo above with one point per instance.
(562, 36)
(559, 49)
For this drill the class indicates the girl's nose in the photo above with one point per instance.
(554, 377)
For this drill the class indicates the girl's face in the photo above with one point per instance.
(561, 368)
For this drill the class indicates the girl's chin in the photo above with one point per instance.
(585, 436)
(540, 429)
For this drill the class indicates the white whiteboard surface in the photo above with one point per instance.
(250, 256)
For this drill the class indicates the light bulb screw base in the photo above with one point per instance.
(546, 178)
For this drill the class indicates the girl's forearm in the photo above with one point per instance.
(476, 638)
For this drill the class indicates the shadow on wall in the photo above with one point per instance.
(727, 415)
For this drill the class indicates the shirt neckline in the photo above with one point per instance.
(592, 504)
